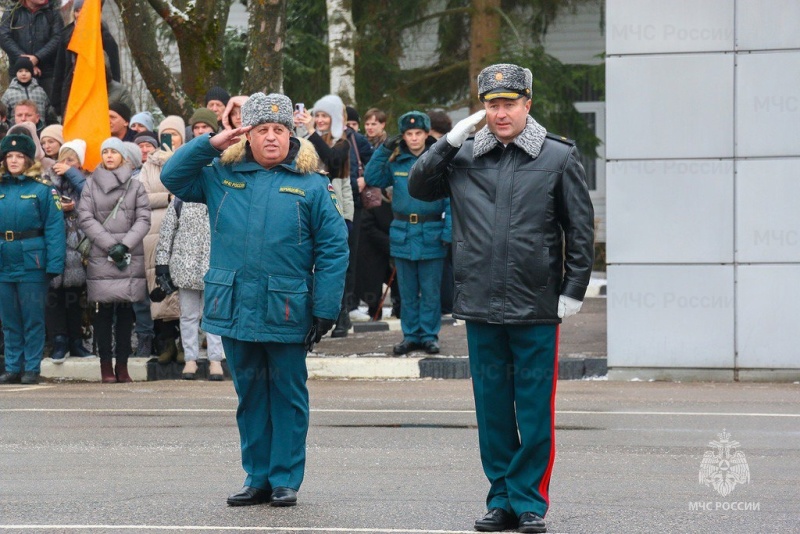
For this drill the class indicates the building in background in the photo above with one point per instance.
(703, 156)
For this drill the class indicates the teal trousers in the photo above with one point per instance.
(22, 306)
(514, 373)
(270, 381)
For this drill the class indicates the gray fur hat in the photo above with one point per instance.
(504, 80)
(261, 108)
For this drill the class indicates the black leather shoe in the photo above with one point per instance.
(248, 496)
(496, 520)
(431, 347)
(530, 522)
(10, 378)
(405, 347)
(29, 377)
(283, 497)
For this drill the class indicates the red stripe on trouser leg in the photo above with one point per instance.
(544, 486)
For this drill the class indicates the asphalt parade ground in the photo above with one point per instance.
(397, 457)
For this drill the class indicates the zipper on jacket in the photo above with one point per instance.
(299, 226)
(219, 209)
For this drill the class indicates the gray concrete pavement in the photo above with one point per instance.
(391, 457)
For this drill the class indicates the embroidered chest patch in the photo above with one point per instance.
(235, 185)
(292, 190)
(401, 173)
(26, 197)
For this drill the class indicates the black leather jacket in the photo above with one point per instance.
(523, 226)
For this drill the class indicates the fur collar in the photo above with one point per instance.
(305, 162)
(35, 170)
(530, 140)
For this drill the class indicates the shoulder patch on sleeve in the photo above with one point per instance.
(56, 198)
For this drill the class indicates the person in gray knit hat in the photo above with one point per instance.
(278, 252)
(523, 236)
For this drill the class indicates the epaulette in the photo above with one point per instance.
(42, 180)
(560, 138)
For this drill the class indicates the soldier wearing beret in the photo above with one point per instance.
(419, 234)
(275, 281)
(32, 252)
(523, 235)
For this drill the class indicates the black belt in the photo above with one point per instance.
(415, 218)
(16, 236)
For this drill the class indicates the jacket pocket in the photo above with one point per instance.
(398, 234)
(432, 234)
(541, 271)
(219, 294)
(33, 254)
(287, 300)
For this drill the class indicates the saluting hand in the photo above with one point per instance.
(226, 138)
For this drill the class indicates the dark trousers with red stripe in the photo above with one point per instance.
(514, 374)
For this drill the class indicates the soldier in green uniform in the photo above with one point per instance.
(32, 252)
(523, 236)
(276, 277)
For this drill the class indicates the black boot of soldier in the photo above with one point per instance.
(342, 325)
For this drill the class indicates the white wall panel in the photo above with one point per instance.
(767, 210)
(767, 25)
(768, 104)
(767, 309)
(670, 211)
(678, 106)
(670, 316)
(658, 26)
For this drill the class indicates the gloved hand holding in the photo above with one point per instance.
(568, 306)
(117, 252)
(393, 142)
(463, 128)
(323, 327)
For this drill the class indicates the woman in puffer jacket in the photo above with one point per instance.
(115, 272)
(182, 257)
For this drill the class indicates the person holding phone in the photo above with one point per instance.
(64, 311)
(165, 314)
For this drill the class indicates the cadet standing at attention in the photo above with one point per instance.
(32, 252)
(275, 282)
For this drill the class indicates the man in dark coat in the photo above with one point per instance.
(523, 236)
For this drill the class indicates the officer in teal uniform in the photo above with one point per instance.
(32, 251)
(276, 277)
(418, 236)
(523, 236)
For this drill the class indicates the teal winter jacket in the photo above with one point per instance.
(410, 240)
(278, 240)
(30, 207)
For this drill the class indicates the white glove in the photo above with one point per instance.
(461, 131)
(568, 306)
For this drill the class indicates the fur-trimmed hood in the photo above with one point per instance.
(306, 161)
(530, 140)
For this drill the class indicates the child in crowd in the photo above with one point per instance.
(64, 311)
(25, 87)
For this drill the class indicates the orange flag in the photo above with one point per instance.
(86, 116)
